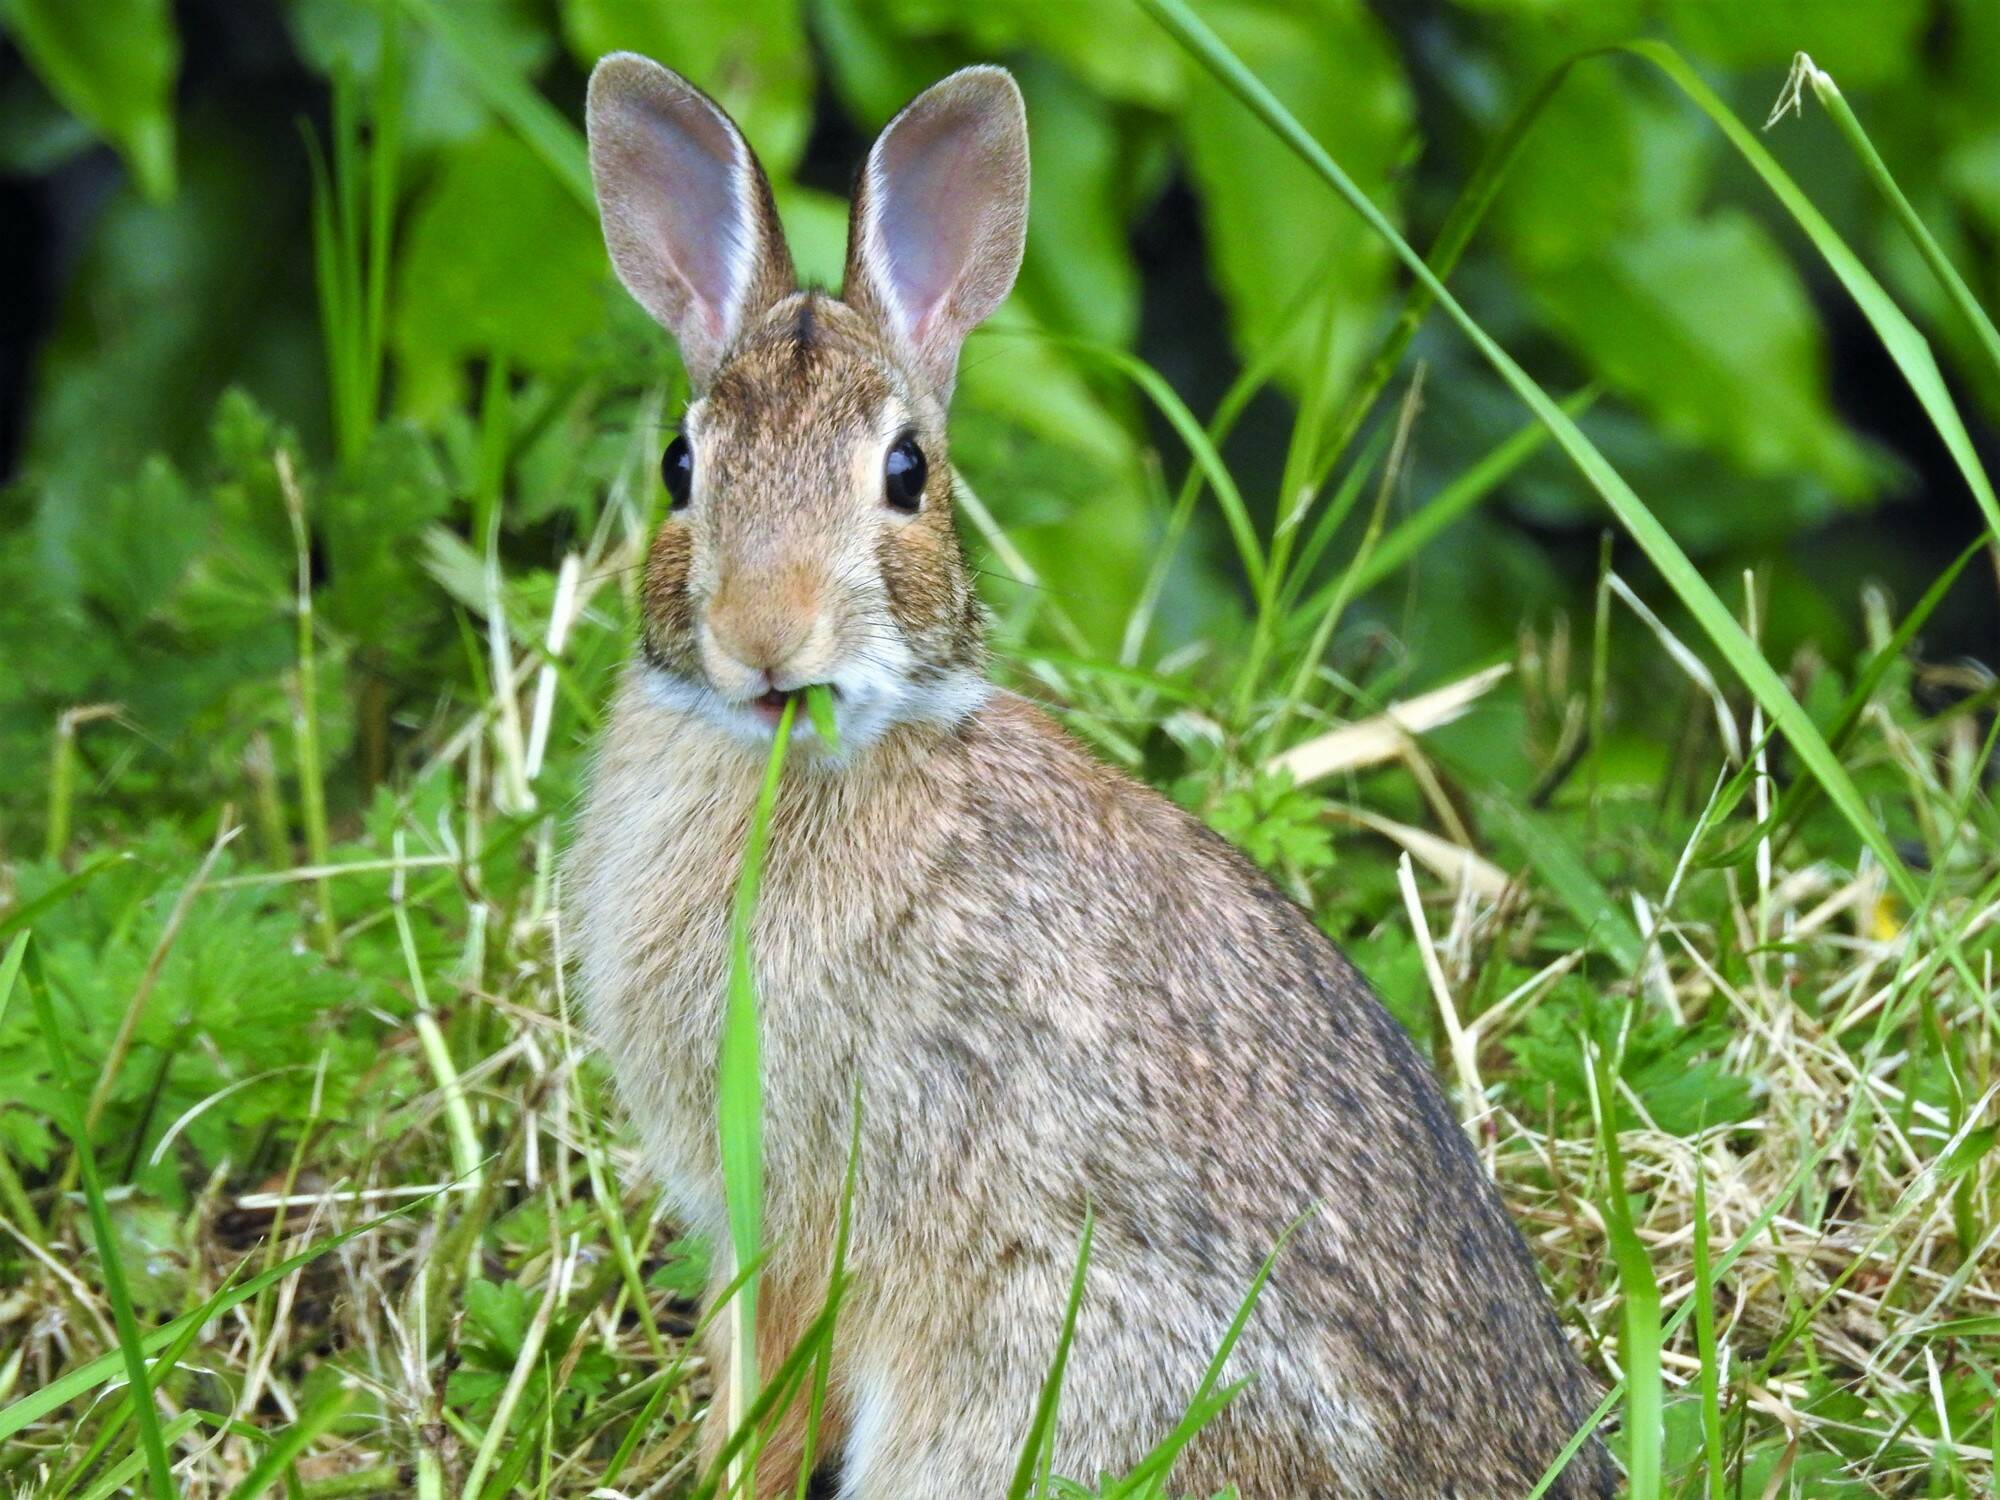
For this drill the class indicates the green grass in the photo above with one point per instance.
(1748, 1125)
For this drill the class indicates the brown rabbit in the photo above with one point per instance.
(1055, 988)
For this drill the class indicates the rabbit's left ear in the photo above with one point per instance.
(687, 210)
(940, 217)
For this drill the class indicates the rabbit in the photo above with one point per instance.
(1050, 989)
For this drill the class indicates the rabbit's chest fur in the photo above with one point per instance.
(651, 882)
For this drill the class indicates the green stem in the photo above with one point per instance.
(740, 1109)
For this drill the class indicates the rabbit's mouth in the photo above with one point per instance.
(771, 706)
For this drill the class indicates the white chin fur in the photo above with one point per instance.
(871, 699)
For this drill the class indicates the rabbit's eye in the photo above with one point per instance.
(677, 471)
(903, 474)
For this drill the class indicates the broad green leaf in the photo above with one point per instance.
(160, 316)
(113, 62)
(441, 102)
(1138, 68)
(750, 54)
(480, 54)
(1870, 42)
(1272, 230)
(1078, 273)
(816, 230)
(1704, 324)
(1625, 152)
(499, 259)
(876, 62)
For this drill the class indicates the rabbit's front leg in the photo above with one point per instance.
(783, 1452)
(922, 1435)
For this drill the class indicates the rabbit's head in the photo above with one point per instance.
(810, 538)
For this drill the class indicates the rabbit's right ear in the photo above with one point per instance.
(940, 217)
(687, 211)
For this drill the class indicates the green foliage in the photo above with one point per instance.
(1272, 821)
(308, 473)
(497, 1316)
(491, 231)
(1676, 1079)
(113, 62)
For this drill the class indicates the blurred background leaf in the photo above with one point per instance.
(113, 62)
(1626, 249)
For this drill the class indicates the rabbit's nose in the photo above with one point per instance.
(764, 622)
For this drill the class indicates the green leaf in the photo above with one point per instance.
(113, 62)
(1078, 273)
(1705, 325)
(495, 233)
(440, 104)
(1139, 68)
(483, 55)
(876, 61)
(752, 55)
(1624, 151)
(1272, 230)
(1870, 43)
(819, 708)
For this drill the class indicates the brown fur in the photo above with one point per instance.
(1056, 991)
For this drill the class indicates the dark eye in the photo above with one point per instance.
(904, 473)
(677, 471)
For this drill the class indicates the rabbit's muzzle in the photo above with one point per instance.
(767, 631)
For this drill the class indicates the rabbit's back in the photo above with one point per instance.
(1129, 1015)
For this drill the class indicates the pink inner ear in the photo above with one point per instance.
(696, 212)
(933, 195)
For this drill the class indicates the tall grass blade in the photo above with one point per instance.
(1563, 868)
(1041, 1429)
(122, 1473)
(131, 1346)
(1210, 1396)
(1460, 496)
(819, 708)
(1713, 1463)
(10, 970)
(1805, 70)
(740, 1098)
(1645, 1418)
(836, 1289)
(1644, 527)
(271, 1467)
(1468, 212)
(1339, 506)
(1905, 345)
(1799, 797)
(108, 1430)
(776, 1397)
(1201, 448)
